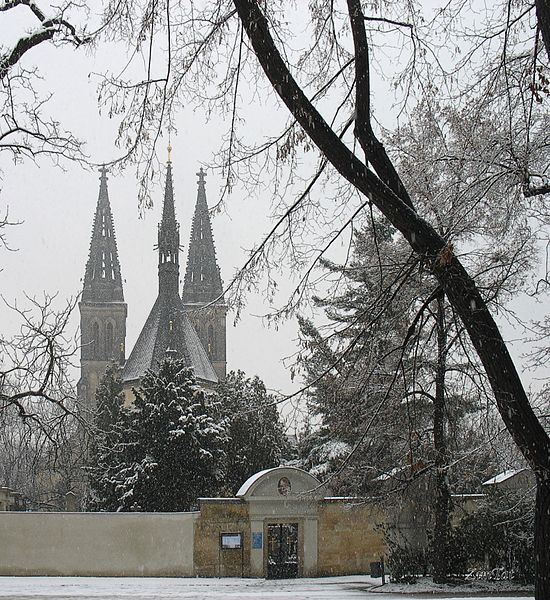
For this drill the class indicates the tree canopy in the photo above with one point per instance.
(255, 436)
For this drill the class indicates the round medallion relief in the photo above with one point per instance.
(284, 486)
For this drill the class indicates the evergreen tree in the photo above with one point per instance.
(499, 535)
(389, 380)
(106, 441)
(359, 375)
(109, 400)
(168, 447)
(256, 439)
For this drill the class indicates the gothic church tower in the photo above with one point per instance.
(102, 307)
(168, 331)
(202, 288)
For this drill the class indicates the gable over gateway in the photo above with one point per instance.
(288, 482)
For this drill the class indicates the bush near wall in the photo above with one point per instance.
(497, 538)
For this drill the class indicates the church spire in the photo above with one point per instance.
(102, 279)
(168, 238)
(202, 282)
(102, 307)
(202, 293)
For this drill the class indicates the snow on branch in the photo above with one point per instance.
(48, 28)
(536, 185)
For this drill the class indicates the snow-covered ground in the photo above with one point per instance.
(109, 588)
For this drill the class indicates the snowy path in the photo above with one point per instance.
(95, 588)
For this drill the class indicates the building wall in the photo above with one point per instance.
(93, 365)
(349, 537)
(522, 480)
(216, 316)
(97, 544)
(219, 516)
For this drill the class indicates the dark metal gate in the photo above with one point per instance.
(282, 550)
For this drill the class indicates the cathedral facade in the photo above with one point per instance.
(190, 326)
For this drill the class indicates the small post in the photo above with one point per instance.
(383, 570)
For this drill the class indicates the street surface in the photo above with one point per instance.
(126, 588)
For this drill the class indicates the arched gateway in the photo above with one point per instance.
(281, 524)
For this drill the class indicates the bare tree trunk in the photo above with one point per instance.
(440, 549)
(542, 540)
(543, 18)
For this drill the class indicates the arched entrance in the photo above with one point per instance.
(283, 511)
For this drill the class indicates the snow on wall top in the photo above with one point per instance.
(508, 474)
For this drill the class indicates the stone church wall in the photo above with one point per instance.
(100, 544)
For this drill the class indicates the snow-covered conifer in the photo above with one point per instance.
(256, 439)
(171, 445)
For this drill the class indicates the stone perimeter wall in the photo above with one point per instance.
(100, 544)
(345, 541)
(350, 538)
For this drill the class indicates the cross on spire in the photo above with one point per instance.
(201, 174)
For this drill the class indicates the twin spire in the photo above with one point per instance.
(168, 330)
(202, 283)
(102, 279)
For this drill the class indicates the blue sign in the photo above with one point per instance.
(257, 540)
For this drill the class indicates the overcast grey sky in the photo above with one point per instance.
(56, 209)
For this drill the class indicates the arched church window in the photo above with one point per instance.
(211, 344)
(95, 340)
(109, 340)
